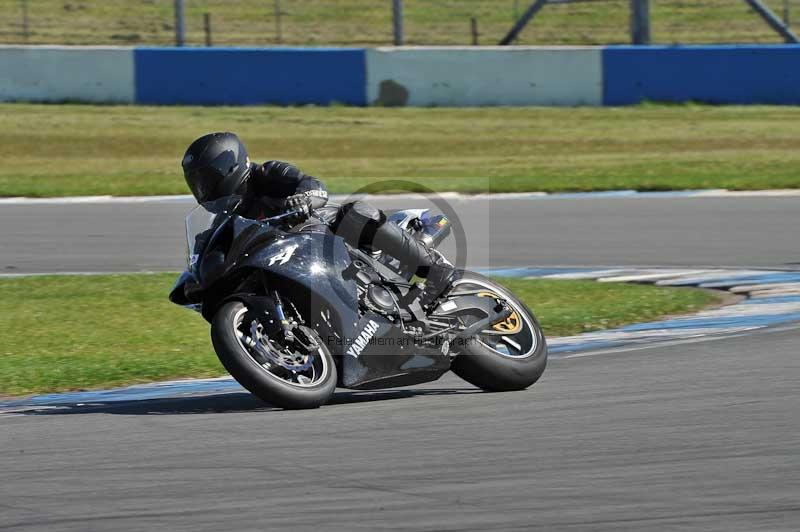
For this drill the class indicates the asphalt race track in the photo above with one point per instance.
(741, 232)
(700, 435)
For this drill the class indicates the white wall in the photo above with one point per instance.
(483, 76)
(66, 73)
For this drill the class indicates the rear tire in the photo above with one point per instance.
(485, 367)
(256, 378)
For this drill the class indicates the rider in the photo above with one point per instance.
(217, 165)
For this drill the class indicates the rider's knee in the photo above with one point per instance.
(364, 212)
(358, 221)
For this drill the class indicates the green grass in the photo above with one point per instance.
(55, 150)
(367, 22)
(74, 332)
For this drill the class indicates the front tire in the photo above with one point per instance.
(483, 363)
(257, 378)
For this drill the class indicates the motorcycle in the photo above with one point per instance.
(295, 311)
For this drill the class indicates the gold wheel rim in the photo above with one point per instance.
(511, 325)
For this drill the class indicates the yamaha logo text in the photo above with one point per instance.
(363, 339)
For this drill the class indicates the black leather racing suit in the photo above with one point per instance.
(274, 183)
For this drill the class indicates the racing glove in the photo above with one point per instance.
(301, 205)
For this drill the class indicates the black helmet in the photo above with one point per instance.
(216, 165)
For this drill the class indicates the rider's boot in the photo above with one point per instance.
(427, 263)
(440, 276)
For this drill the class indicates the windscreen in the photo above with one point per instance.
(201, 219)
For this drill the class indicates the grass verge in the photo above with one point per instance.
(62, 333)
(365, 22)
(69, 150)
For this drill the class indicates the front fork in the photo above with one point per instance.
(290, 327)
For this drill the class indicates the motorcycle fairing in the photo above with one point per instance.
(178, 295)
(404, 217)
(315, 262)
(380, 355)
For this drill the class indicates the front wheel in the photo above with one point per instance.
(512, 354)
(287, 375)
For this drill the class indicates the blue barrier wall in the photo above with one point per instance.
(416, 76)
(712, 74)
(242, 76)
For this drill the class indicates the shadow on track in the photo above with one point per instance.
(225, 403)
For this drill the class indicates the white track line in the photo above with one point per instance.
(594, 274)
(652, 277)
(95, 199)
(768, 286)
(454, 196)
(64, 274)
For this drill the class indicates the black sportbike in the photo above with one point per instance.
(296, 311)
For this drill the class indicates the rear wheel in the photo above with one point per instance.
(293, 374)
(512, 354)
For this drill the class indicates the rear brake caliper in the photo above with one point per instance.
(512, 324)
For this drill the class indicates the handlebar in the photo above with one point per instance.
(281, 216)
